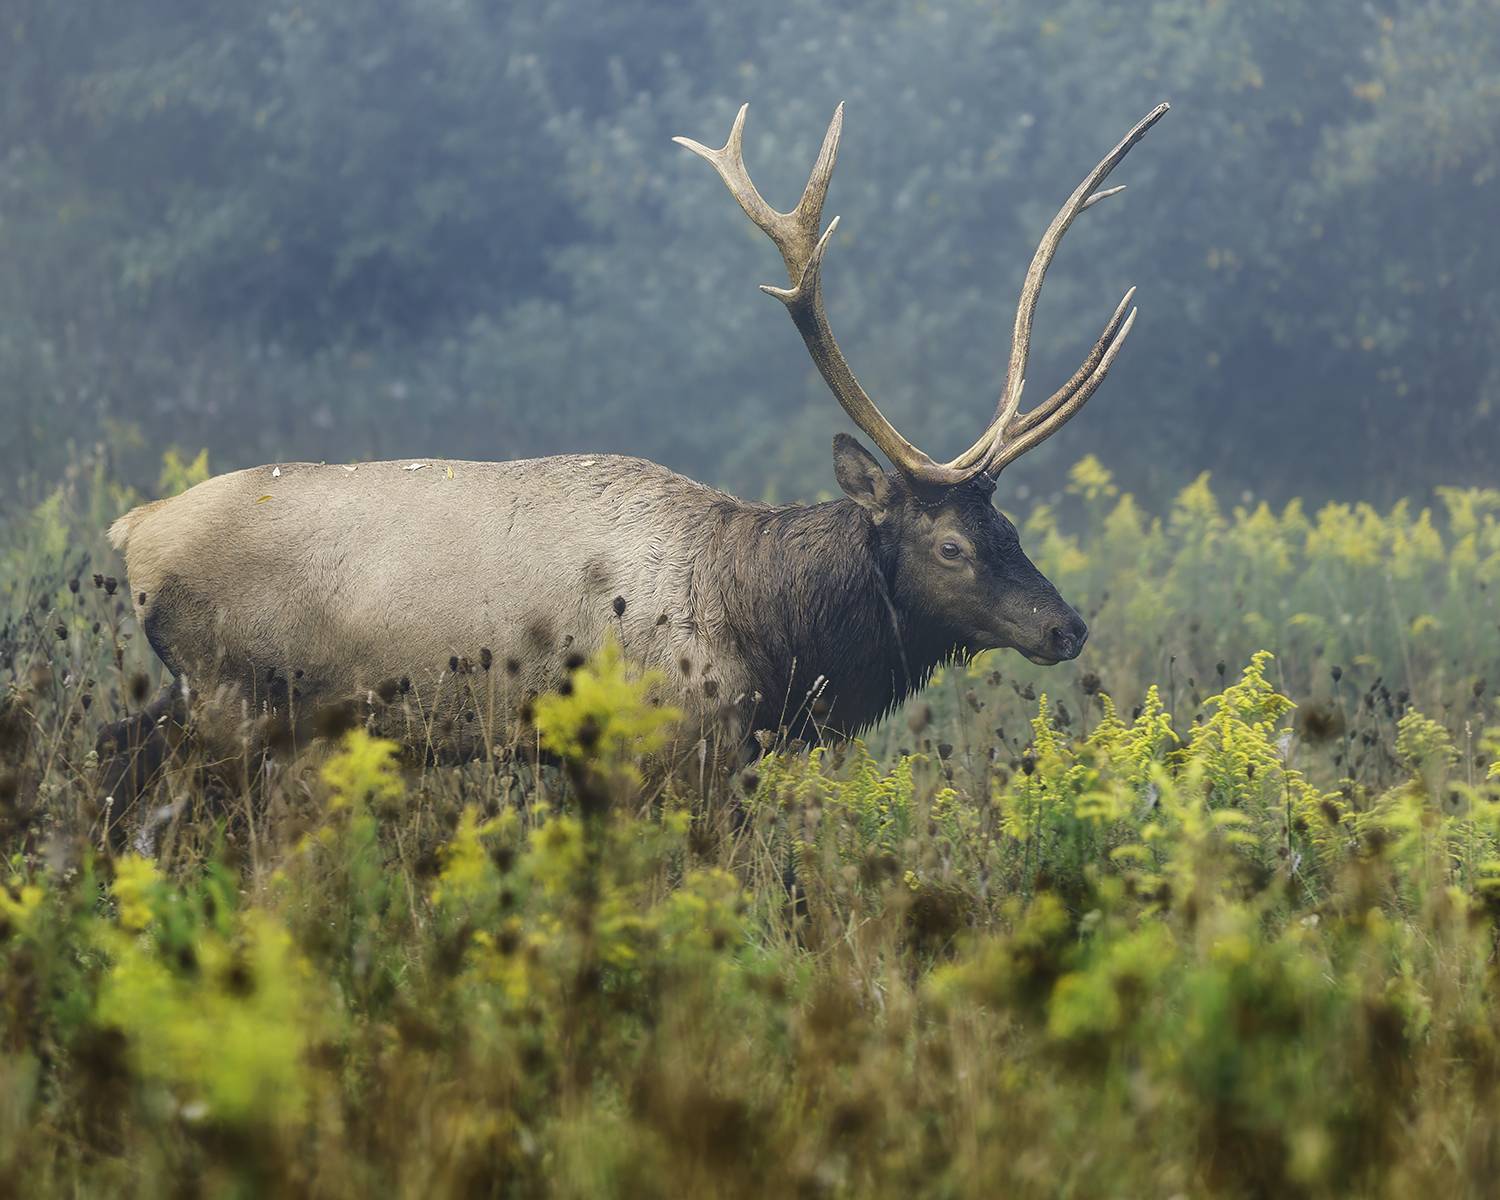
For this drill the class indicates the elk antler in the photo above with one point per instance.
(1010, 433)
(796, 236)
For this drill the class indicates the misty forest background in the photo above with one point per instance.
(1212, 911)
(348, 230)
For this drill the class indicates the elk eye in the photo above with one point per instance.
(950, 550)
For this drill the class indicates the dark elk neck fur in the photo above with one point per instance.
(802, 592)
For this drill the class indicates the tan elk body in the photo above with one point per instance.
(470, 583)
(465, 588)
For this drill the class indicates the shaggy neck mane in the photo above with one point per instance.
(802, 591)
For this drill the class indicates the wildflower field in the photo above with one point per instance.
(1210, 911)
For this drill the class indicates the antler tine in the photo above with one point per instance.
(992, 439)
(1083, 196)
(1029, 419)
(1104, 195)
(795, 234)
(991, 444)
(1039, 432)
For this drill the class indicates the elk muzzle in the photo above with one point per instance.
(1063, 640)
(1047, 631)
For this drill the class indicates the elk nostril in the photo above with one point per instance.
(1067, 639)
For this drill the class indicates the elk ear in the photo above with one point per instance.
(861, 476)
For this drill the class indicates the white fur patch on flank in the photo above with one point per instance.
(119, 532)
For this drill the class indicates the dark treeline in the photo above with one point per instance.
(350, 230)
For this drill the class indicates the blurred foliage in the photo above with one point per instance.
(292, 231)
(1348, 595)
(602, 718)
(1107, 956)
(179, 473)
(1182, 917)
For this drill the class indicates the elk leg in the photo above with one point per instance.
(132, 753)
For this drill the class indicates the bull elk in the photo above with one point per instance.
(452, 583)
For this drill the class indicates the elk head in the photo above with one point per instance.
(952, 562)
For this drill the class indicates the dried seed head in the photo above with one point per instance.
(110, 584)
(239, 979)
(335, 720)
(1319, 723)
(485, 657)
(619, 606)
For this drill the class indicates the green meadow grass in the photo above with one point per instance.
(1209, 912)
